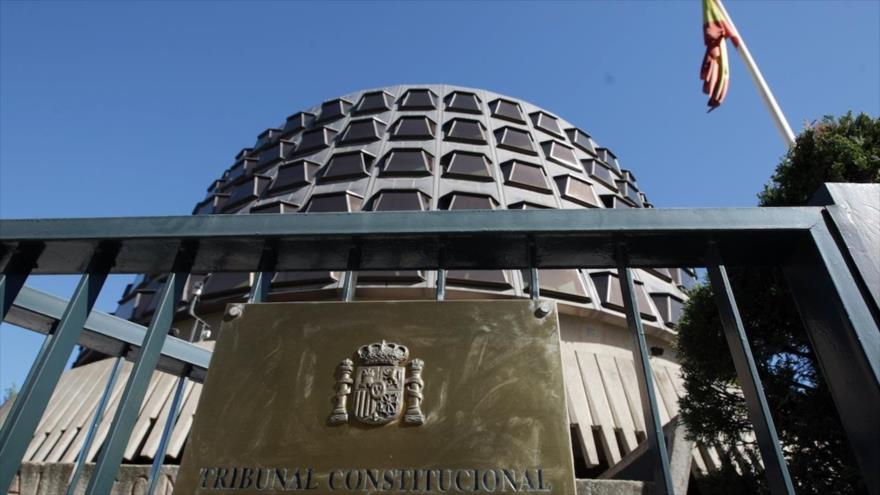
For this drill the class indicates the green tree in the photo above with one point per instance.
(819, 459)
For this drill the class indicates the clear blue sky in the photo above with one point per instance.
(110, 109)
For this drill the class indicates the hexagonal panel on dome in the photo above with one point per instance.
(467, 201)
(275, 153)
(629, 192)
(418, 99)
(562, 154)
(669, 306)
(525, 175)
(463, 101)
(609, 158)
(374, 102)
(507, 110)
(400, 200)
(578, 191)
(297, 122)
(246, 192)
(212, 204)
(293, 176)
(610, 295)
(546, 122)
(582, 140)
(416, 127)
(464, 131)
(467, 165)
(267, 137)
(562, 284)
(600, 172)
(315, 139)
(348, 165)
(614, 201)
(363, 131)
(404, 162)
(338, 202)
(334, 109)
(515, 139)
(275, 207)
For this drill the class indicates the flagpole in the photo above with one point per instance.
(766, 95)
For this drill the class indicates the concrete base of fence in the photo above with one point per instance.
(52, 478)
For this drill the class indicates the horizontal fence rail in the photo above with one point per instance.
(839, 318)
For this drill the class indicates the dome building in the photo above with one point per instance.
(418, 147)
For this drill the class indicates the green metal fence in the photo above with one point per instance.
(840, 317)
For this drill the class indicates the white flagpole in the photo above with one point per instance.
(761, 84)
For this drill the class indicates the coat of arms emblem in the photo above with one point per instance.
(381, 387)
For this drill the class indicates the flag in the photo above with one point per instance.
(715, 71)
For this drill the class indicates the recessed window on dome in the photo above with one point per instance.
(376, 101)
(363, 130)
(508, 110)
(685, 278)
(298, 122)
(226, 282)
(525, 175)
(614, 201)
(546, 123)
(401, 200)
(418, 99)
(334, 203)
(216, 186)
(515, 139)
(462, 101)
(629, 192)
(273, 154)
(293, 176)
(211, 204)
(468, 201)
(405, 162)
(561, 154)
(577, 191)
(562, 284)
(334, 109)
(467, 165)
(316, 139)
(391, 276)
(582, 140)
(275, 207)
(661, 273)
(525, 205)
(609, 158)
(465, 131)
(246, 192)
(266, 137)
(608, 287)
(669, 306)
(490, 279)
(414, 128)
(629, 177)
(600, 172)
(351, 165)
(243, 167)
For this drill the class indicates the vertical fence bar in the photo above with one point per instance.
(534, 282)
(16, 272)
(349, 279)
(846, 339)
(159, 458)
(93, 427)
(136, 387)
(747, 374)
(263, 278)
(28, 408)
(654, 430)
(441, 284)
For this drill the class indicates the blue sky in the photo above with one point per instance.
(115, 109)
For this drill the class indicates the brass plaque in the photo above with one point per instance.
(383, 397)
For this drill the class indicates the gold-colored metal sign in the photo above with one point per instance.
(383, 397)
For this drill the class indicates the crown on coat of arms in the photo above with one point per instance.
(383, 353)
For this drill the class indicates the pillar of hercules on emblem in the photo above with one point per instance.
(380, 388)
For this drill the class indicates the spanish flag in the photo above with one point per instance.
(715, 71)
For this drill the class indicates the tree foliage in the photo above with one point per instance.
(819, 459)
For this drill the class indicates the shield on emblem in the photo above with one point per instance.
(378, 393)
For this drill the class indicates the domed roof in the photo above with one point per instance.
(431, 147)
